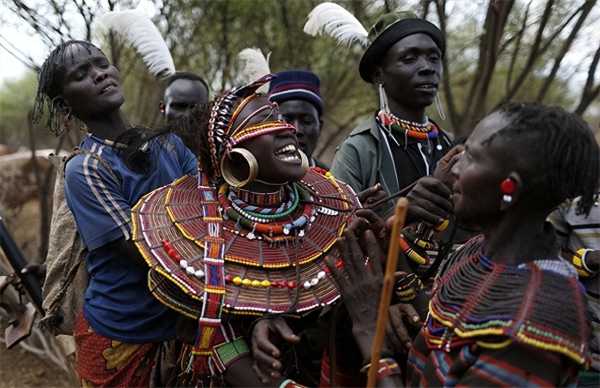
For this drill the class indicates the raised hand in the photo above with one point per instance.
(267, 363)
(443, 170)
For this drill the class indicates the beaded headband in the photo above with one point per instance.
(223, 135)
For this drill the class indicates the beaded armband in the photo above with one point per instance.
(579, 262)
(407, 287)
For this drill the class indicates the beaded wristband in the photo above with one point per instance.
(578, 261)
(227, 353)
(408, 286)
(386, 367)
(289, 383)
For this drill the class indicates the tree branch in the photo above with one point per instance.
(587, 7)
(535, 53)
(519, 38)
(590, 92)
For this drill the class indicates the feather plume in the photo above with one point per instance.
(254, 66)
(335, 21)
(139, 31)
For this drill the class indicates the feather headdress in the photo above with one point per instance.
(335, 21)
(254, 66)
(139, 31)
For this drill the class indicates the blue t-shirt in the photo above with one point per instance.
(118, 304)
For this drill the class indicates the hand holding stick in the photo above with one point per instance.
(386, 293)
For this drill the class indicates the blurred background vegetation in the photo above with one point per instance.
(498, 51)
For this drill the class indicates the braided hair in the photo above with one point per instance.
(50, 85)
(557, 152)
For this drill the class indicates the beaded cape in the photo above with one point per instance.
(174, 213)
(539, 303)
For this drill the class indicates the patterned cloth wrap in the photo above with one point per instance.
(103, 362)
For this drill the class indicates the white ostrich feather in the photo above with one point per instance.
(254, 65)
(335, 21)
(139, 31)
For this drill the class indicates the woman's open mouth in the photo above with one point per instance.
(288, 153)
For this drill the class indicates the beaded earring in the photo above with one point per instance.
(439, 107)
(507, 187)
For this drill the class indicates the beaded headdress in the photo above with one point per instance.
(223, 131)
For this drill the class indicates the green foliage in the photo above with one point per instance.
(16, 99)
(205, 37)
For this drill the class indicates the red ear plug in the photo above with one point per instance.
(508, 186)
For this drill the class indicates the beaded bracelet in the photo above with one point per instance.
(408, 286)
(579, 262)
(289, 383)
(386, 367)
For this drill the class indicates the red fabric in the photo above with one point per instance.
(102, 362)
(342, 378)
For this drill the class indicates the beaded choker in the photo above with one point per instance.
(420, 131)
(260, 199)
(271, 224)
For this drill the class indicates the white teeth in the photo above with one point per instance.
(290, 148)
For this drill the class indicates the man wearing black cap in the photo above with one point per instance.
(298, 94)
(398, 144)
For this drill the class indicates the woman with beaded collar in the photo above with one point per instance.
(246, 237)
(506, 309)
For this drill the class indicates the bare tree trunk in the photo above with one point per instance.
(495, 23)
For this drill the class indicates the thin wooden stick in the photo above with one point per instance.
(386, 291)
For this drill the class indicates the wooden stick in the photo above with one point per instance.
(386, 291)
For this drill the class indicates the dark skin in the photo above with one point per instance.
(430, 199)
(410, 72)
(91, 91)
(273, 170)
(276, 172)
(181, 96)
(305, 117)
(514, 232)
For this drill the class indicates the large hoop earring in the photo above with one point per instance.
(226, 168)
(305, 163)
(383, 101)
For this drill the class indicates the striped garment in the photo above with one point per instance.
(100, 190)
(575, 232)
(516, 365)
(499, 325)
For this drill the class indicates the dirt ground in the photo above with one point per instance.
(19, 368)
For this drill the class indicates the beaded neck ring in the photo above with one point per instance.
(419, 131)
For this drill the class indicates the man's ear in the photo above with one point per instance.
(161, 107)
(377, 75)
(61, 104)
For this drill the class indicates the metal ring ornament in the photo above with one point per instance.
(252, 168)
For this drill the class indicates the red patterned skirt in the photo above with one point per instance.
(103, 362)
